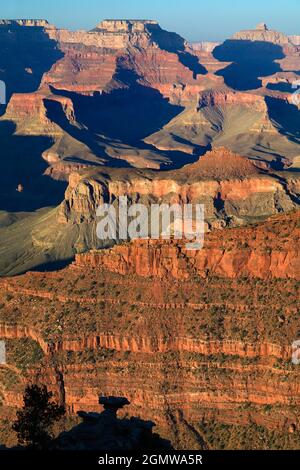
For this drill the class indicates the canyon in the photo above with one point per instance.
(112, 315)
(129, 109)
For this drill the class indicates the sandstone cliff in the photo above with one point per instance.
(205, 46)
(232, 188)
(216, 336)
(262, 33)
(189, 337)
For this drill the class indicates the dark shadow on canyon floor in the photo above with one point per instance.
(250, 61)
(281, 86)
(26, 54)
(128, 114)
(287, 116)
(22, 165)
(174, 43)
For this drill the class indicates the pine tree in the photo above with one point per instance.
(36, 418)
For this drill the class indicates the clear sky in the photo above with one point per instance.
(193, 19)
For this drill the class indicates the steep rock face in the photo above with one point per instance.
(29, 113)
(36, 23)
(83, 69)
(230, 186)
(205, 46)
(148, 261)
(255, 197)
(120, 34)
(216, 336)
(90, 60)
(223, 97)
(262, 33)
(145, 345)
(259, 256)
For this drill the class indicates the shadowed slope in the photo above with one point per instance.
(172, 42)
(251, 60)
(128, 113)
(26, 54)
(287, 118)
(22, 164)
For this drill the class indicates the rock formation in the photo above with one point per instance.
(188, 317)
(217, 258)
(262, 33)
(26, 22)
(199, 341)
(219, 178)
(205, 46)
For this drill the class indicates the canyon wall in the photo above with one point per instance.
(189, 337)
(231, 187)
(206, 46)
(216, 335)
(262, 33)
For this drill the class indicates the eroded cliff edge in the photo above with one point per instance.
(216, 335)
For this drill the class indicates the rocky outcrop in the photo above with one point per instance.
(223, 97)
(144, 345)
(148, 260)
(120, 34)
(187, 336)
(29, 113)
(36, 23)
(126, 26)
(262, 33)
(205, 46)
(220, 178)
(260, 257)
(256, 197)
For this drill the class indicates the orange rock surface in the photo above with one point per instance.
(213, 327)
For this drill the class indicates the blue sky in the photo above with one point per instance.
(193, 19)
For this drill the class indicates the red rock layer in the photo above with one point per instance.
(239, 252)
(223, 97)
(82, 69)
